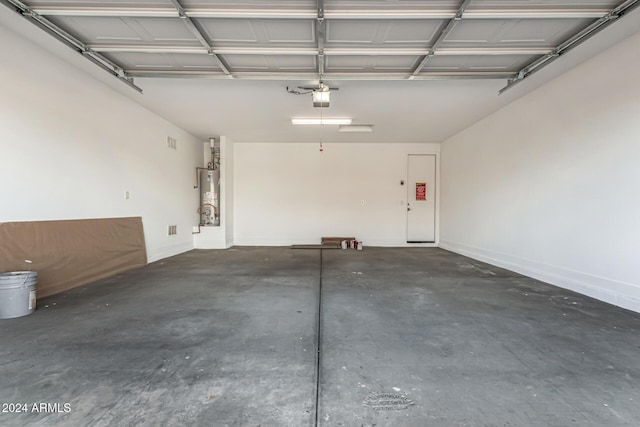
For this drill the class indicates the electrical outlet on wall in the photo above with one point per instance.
(171, 143)
(173, 230)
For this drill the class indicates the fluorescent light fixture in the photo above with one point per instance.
(356, 128)
(323, 121)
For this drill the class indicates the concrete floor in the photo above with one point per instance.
(409, 337)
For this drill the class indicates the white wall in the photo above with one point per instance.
(71, 146)
(294, 194)
(227, 190)
(549, 186)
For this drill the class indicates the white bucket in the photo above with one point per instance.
(17, 293)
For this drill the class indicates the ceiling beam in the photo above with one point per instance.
(309, 13)
(312, 51)
(489, 13)
(107, 11)
(569, 13)
(284, 76)
(71, 41)
(200, 36)
(574, 41)
(440, 37)
(320, 36)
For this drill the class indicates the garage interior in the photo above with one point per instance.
(155, 175)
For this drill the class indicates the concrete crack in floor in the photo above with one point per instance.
(318, 345)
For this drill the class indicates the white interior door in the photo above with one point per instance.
(421, 198)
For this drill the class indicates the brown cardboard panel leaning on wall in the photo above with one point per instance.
(71, 253)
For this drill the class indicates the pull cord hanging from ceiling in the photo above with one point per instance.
(321, 129)
(321, 86)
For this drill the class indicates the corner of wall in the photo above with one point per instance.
(625, 295)
(541, 187)
(229, 174)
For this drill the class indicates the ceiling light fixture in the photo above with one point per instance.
(321, 96)
(320, 121)
(355, 128)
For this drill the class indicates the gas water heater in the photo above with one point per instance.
(209, 183)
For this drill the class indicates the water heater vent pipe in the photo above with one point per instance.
(215, 153)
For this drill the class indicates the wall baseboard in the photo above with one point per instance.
(621, 294)
(168, 251)
(257, 241)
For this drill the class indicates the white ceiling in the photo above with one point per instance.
(260, 111)
(370, 59)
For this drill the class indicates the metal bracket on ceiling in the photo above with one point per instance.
(199, 34)
(305, 90)
(574, 41)
(440, 38)
(72, 42)
(298, 92)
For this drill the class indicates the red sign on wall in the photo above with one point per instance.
(421, 191)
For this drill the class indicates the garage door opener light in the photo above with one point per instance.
(321, 95)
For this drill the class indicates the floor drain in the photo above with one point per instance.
(387, 402)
